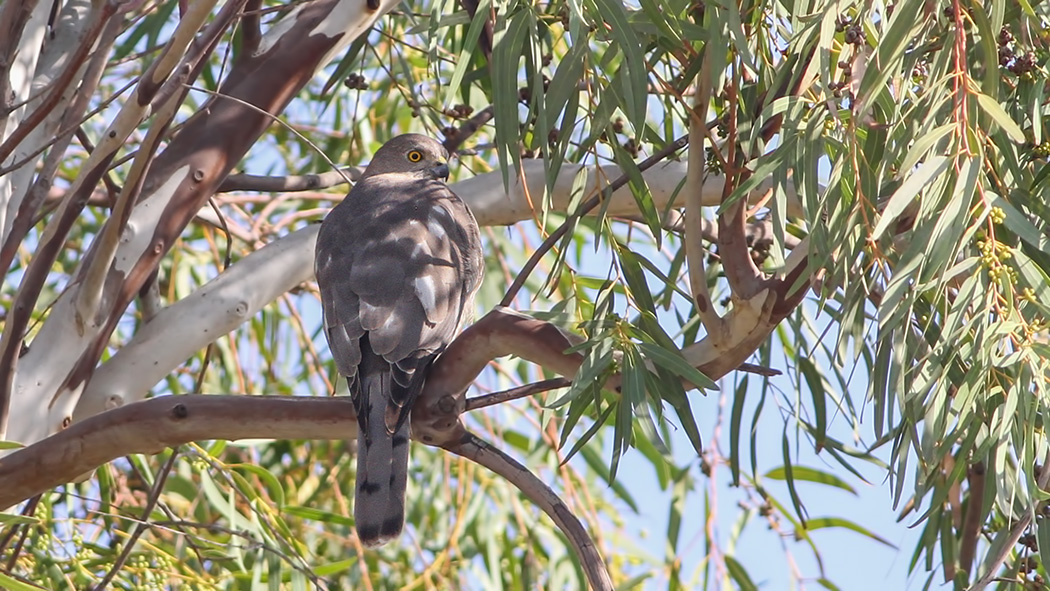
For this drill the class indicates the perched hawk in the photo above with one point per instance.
(398, 263)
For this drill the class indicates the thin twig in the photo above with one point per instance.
(158, 486)
(29, 509)
(760, 370)
(288, 183)
(469, 128)
(515, 393)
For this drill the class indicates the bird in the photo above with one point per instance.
(398, 263)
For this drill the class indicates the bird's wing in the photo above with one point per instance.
(399, 260)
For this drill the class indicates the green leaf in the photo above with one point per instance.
(810, 475)
(888, 53)
(470, 46)
(332, 568)
(1042, 537)
(789, 478)
(676, 364)
(738, 573)
(815, 383)
(1000, 117)
(635, 85)
(927, 172)
(9, 520)
(815, 523)
(12, 584)
(317, 515)
(736, 420)
(506, 53)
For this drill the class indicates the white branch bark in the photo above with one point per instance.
(189, 325)
(14, 186)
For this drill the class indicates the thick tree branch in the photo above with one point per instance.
(168, 421)
(65, 125)
(251, 34)
(132, 112)
(17, 54)
(501, 332)
(105, 245)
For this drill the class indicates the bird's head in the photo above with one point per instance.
(410, 152)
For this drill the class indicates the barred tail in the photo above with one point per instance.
(382, 468)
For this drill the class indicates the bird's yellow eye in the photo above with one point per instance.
(415, 156)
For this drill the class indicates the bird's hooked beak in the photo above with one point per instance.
(440, 171)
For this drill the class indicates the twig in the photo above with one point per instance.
(29, 509)
(477, 450)
(516, 393)
(158, 486)
(469, 128)
(288, 183)
(758, 370)
(552, 239)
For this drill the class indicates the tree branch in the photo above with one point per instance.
(477, 450)
(469, 128)
(525, 391)
(289, 183)
(241, 291)
(169, 421)
(58, 136)
(693, 196)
